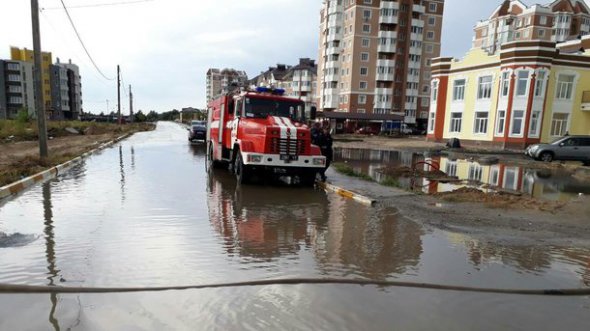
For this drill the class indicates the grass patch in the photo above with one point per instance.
(390, 182)
(347, 170)
(18, 130)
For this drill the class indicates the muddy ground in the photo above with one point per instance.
(20, 159)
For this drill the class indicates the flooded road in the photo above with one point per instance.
(145, 213)
(544, 184)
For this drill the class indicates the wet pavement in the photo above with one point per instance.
(145, 213)
(544, 184)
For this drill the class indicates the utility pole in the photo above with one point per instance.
(37, 75)
(119, 94)
(130, 105)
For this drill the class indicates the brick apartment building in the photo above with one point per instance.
(374, 58)
(219, 81)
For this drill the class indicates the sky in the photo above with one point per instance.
(164, 47)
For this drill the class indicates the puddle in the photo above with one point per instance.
(394, 168)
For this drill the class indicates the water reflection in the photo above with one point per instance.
(122, 171)
(542, 184)
(263, 222)
(52, 270)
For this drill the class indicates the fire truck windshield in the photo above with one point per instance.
(262, 108)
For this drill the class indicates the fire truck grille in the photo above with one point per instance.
(287, 146)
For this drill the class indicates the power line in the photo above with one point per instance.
(120, 3)
(82, 43)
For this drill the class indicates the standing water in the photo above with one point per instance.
(145, 213)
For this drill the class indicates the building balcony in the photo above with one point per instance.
(304, 88)
(418, 23)
(383, 91)
(334, 21)
(333, 50)
(334, 9)
(414, 65)
(389, 5)
(334, 36)
(388, 19)
(331, 104)
(415, 50)
(411, 92)
(411, 105)
(413, 79)
(388, 48)
(384, 77)
(331, 64)
(387, 34)
(416, 36)
(382, 105)
(418, 9)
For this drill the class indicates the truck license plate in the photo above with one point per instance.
(289, 158)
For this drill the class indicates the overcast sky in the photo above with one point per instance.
(165, 47)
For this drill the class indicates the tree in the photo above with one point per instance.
(140, 117)
(152, 116)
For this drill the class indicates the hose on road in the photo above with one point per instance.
(39, 289)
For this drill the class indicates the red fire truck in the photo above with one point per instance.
(260, 133)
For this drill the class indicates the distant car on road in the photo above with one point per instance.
(570, 148)
(367, 130)
(197, 131)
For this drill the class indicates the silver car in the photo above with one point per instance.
(573, 148)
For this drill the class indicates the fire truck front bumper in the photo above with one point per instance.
(286, 162)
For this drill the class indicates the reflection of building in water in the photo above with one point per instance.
(52, 271)
(259, 221)
(373, 242)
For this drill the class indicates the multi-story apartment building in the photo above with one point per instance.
(16, 88)
(559, 21)
(26, 55)
(527, 92)
(66, 91)
(301, 82)
(272, 77)
(219, 81)
(374, 59)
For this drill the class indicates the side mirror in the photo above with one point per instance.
(313, 112)
(561, 144)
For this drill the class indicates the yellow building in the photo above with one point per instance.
(26, 55)
(528, 92)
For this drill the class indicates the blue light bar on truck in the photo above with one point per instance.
(262, 89)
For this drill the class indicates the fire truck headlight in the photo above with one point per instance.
(254, 158)
(319, 161)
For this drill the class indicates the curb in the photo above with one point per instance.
(348, 194)
(51, 173)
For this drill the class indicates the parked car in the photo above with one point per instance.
(572, 148)
(367, 130)
(197, 131)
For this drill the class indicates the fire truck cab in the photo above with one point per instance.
(260, 133)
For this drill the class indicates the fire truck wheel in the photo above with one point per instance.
(242, 172)
(308, 180)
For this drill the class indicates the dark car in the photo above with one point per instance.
(197, 131)
(571, 148)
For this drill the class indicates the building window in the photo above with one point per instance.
(364, 71)
(361, 111)
(432, 21)
(13, 66)
(543, 20)
(13, 78)
(451, 168)
(431, 121)
(559, 124)
(501, 123)
(430, 35)
(505, 83)
(362, 99)
(534, 125)
(366, 28)
(363, 85)
(366, 42)
(495, 176)
(540, 84)
(484, 90)
(459, 90)
(517, 123)
(366, 14)
(475, 172)
(432, 7)
(456, 119)
(434, 90)
(521, 85)
(429, 49)
(541, 33)
(425, 102)
(365, 57)
(565, 84)
(481, 122)
(368, 2)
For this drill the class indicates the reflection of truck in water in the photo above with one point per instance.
(261, 133)
(241, 214)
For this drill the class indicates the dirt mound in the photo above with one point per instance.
(500, 200)
(433, 175)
